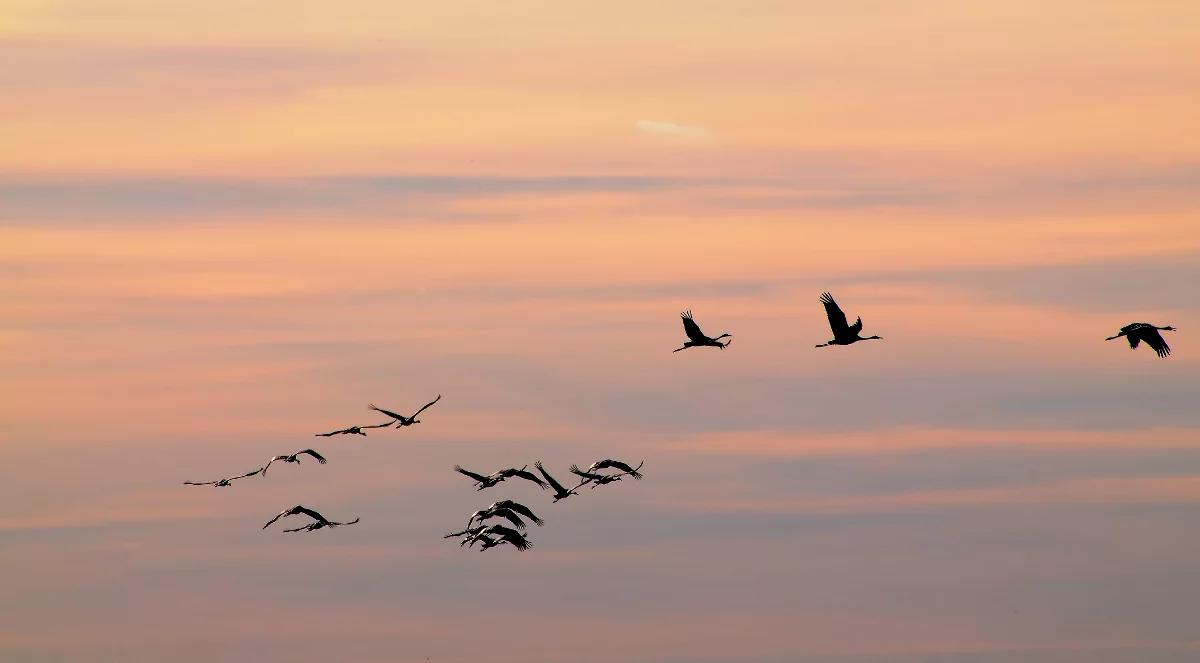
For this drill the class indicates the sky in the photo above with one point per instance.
(228, 225)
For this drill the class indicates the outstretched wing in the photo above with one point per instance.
(378, 425)
(510, 517)
(478, 477)
(526, 474)
(691, 328)
(389, 413)
(285, 512)
(426, 406)
(524, 511)
(837, 319)
(337, 432)
(624, 467)
(1134, 341)
(1155, 341)
(558, 488)
(310, 513)
(264, 467)
(586, 476)
(249, 474)
(314, 454)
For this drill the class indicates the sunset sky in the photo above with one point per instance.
(228, 225)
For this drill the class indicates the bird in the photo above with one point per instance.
(319, 520)
(594, 479)
(354, 430)
(843, 334)
(294, 458)
(401, 420)
(560, 493)
(497, 512)
(488, 542)
(509, 535)
(221, 483)
(467, 534)
(481, 481)
(624, 467)
(696, 338)
(520, 474)
(1143, 331)
(519, 508)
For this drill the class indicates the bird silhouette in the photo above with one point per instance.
(843, 334)
(1143, 331)
(519, 508)
(508, 535)
(593, 478)
(497, 512)
(221, 483)
(560, 493)
(401, 420)
(353, 430)
(293, 458)
(624, 467)
(696, 338)
(481, 481)
(520, 474)
(319, 520)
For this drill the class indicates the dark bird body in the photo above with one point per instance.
(1143, 331)
(319, 520)
(696, 338)
(354, 430)
(507, 535)
(520, 474)
(843, 333)
(293, 458)
(401, 420)
(560, 492)
(221, 483)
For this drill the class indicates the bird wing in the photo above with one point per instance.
(426, 406)
(1133, 326)
(248, 474)
(199, 483)
(264, 467)
(525, 511)
(1155, 341)
(285, 512)
(586, 475)
(337, 432)
(856, 327)
(377, 425)
(310, 513)
(314, 454)
(526, 474)
(837, 319)
(478, 477)
(1134, 340)
(387, 412)
(691, 328)
(511, 517)
(549, 479)
(626, 469)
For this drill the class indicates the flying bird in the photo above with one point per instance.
(497, 512)
(293, 458)
(560, 493)
(221, 483)
(508, 535)
(481, 481)
(616, 464)
(467, 534)
(401, 420)
(1143, 331)
(696, 338)
(319, 520)
(592, 478)
(843, 334)
(520, 474)
(519, 508)
(354, 430)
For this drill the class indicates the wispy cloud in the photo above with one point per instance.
(666, 128)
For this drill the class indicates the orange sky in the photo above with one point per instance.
(228, 225)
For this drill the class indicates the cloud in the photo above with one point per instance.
(666, 128)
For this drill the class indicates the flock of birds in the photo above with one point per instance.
(490, 536)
